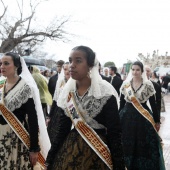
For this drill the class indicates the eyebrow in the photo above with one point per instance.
(76, 58)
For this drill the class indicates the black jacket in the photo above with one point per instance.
(105, 78)
(116, 83)
(52, 84)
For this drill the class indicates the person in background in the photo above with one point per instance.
(46, 74)
(155, 78)
(169, 87)
(115, 80)
(52, 73)
(45, 96)
(103, 77)
(106, 72)
(20, 114)
(53, 80)
(86, 101)
(62, 80)
(157, 88)
(165, 81)
(140, 126)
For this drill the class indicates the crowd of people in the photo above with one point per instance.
(79, 118)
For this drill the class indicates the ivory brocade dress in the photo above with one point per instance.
(13, 154)
(141, 143)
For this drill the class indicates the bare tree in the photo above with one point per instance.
(22, 33)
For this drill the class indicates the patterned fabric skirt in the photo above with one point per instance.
(75, 154)
(13, 154)
(141, 143)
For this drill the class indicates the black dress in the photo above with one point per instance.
(70, 151)
(52, 84)
(141, 142)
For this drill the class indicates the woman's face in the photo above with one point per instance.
(7, 66)
(66, 71)
(78, 65)
(47, 73)
(136, 71)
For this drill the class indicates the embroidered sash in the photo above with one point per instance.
(19, 130)
(87, 133)
(138, 105)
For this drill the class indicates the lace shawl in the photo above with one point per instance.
(90, 107)
(147, 90)
(18, 96)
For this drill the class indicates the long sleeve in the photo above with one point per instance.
(110, 119)
(156, 115)
(158, 96)
(53, 109)
(122, 102)
(32, 124)
(61, 131)
(158, 99)
(52, 84)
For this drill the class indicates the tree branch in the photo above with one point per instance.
(21, 10)
(5, 9)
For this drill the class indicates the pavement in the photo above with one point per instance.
(165, 131)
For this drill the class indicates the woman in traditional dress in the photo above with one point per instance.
(20, 114)
(87, 102)
(141, 142)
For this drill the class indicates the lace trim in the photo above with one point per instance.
(17, 96)
(90, 107)
(144, 93)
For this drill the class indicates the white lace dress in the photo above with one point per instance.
(13, 154)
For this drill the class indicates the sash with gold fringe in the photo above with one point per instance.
(19, 130)
(87, 133)
(138, 105)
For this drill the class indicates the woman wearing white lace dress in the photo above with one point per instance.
(21, 118)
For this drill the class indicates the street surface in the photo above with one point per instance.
(165, 131)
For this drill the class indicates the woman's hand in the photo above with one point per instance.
(157, 126)
(33, 157)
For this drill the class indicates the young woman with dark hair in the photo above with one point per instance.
(140, 125)
(20, 115)
(87, 102)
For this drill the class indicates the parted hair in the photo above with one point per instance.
(90, 55)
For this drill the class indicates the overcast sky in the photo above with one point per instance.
(116, 30)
